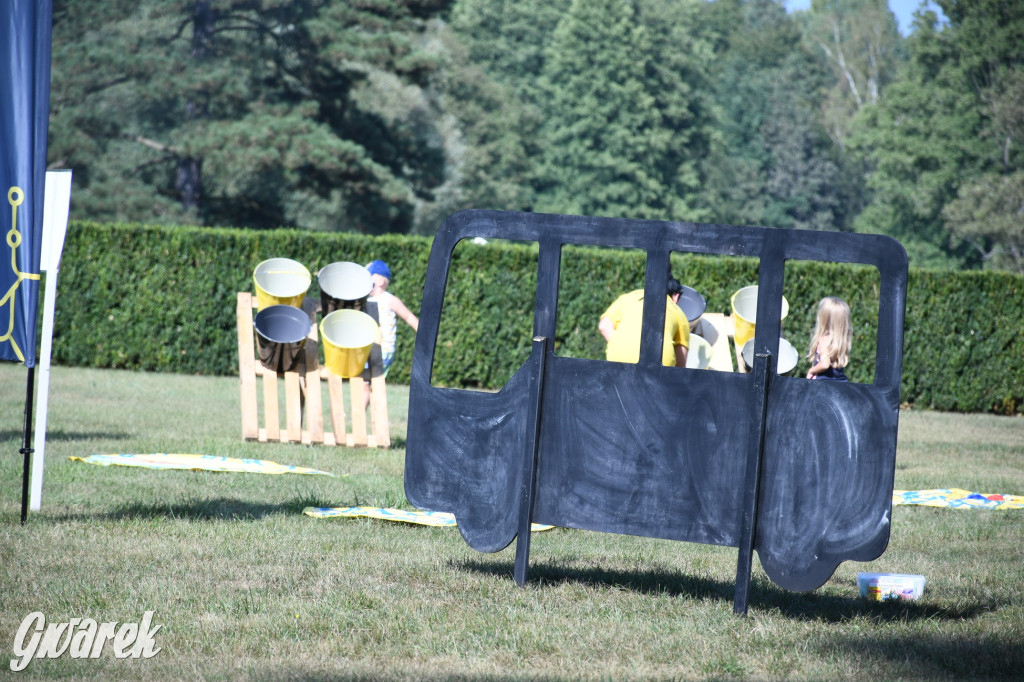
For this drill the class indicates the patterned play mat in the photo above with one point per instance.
(198, 463)
(946, 497)
(417, 516)
(957, 499)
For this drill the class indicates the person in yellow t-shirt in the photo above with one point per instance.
(620, 327)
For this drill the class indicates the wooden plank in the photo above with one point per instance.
(293, 407)
(271, 417)
(741, 366)
(378, 401)
(246, 367)
(337, 397)
(311, 381)
(357, 404)
(716, 328)
(728, 326)
(379, 412)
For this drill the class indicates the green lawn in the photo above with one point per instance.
(247, 587)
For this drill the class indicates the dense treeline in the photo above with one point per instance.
(384, 116)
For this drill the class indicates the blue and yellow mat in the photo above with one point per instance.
(416, 516)
(947, 497)
(198, 463)
(957, 498)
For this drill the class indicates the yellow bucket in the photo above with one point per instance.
(348, 337)
(744, 313)
(280, 281)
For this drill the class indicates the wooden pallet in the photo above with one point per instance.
(302, 393)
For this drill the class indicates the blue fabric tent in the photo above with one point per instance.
(25, 45)
(25, 41)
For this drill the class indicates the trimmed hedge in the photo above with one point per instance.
(163, 299)
(963, 345)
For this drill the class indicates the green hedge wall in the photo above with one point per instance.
(163, 299)
(964, 344)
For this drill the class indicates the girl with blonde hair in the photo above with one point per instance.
(830, 343)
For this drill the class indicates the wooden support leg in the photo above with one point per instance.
(271, 416)
(379, 412)
(293, 407)
(752, 484)
(337, 395)
(314, 432)
(247, 367)
(541, 346)
(312, 398)
(357, 403)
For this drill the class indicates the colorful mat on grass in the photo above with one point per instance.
(198, 463)
(417, 516)
(957, 499)
(954, 498)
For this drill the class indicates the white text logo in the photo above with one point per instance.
(82, 638)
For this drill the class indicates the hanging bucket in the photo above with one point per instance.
(343, 286)
(348, 337)
(787, 355)
(744, 313)
(698, 356)
(280, 281)
(692, 305)
(281, 332)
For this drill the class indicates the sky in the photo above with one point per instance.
(903, 9)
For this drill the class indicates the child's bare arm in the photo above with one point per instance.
(403, 312)
(822, 365)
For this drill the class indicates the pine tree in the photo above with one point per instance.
(602, 137)
(260, 114)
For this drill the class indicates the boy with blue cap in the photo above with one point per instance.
(389, 309)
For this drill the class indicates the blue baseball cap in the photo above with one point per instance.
(379, 267)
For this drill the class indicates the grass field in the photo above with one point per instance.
(247, 587)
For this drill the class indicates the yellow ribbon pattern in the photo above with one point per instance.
(15, 197)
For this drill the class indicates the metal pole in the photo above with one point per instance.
(26, 449)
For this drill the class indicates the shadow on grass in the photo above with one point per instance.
(961, 656)
(834, 608)
(213, 509)
(763, 595)
(668, 583)
(290, 674)
(68, 435)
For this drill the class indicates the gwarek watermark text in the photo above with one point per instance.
(82, 638)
